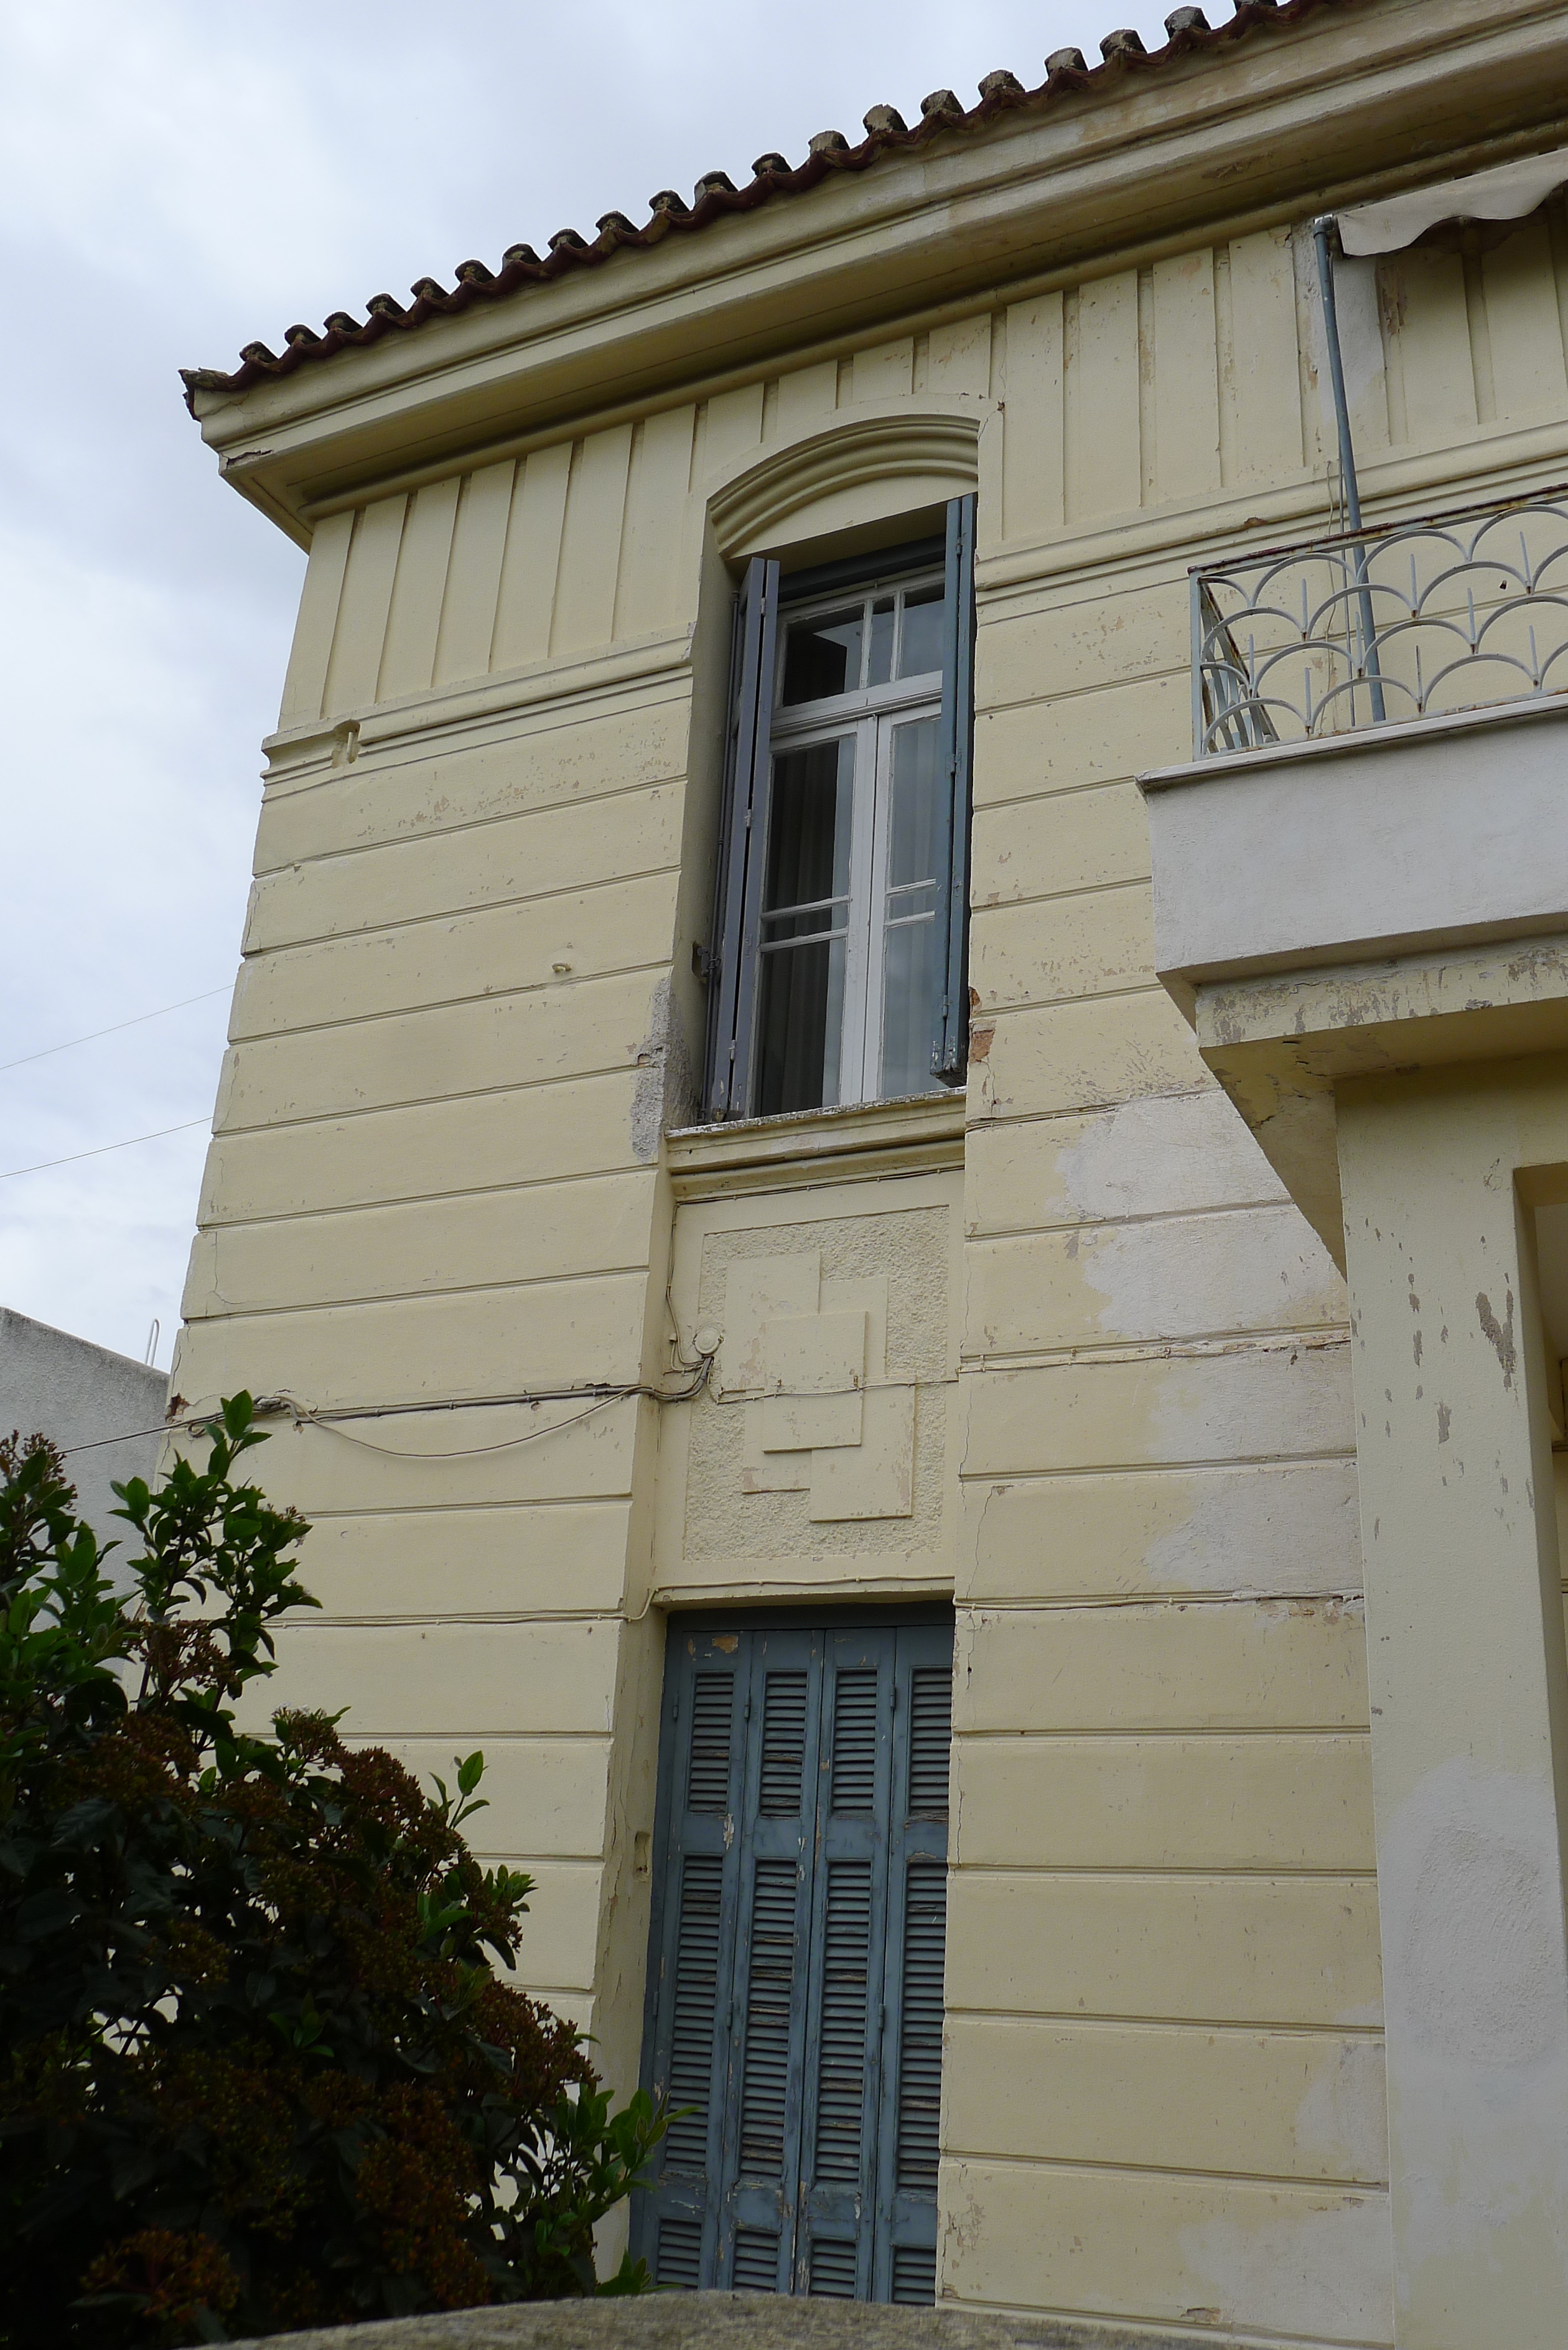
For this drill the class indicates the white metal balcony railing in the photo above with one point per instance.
(1416, 619)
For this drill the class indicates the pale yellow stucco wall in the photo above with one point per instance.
(438, 1171)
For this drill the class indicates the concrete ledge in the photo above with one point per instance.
(732, 2320)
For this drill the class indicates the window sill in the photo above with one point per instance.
(816, 1146)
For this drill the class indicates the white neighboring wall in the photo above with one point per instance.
(76, 1393)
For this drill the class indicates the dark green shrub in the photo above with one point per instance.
(258, 2071)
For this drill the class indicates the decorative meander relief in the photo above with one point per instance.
(825, 1429)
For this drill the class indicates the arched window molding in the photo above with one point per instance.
(862, 466)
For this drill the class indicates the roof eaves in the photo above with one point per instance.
(1067, 76)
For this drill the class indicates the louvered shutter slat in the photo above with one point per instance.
(841, 2030)
(855, 1740)
(920, 2025)
(696, 2002)
(765, 2065)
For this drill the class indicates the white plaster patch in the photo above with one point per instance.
(1470, 1878)
(1259, 1269)
(1266, 1534)
(1319, 2269)
(1476, 1983)
(1160, 1156)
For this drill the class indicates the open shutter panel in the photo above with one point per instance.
(908, 2135)
(743, 846)
(836, 2251)
(760, 2174)
(676, 2223)
(949, 1046)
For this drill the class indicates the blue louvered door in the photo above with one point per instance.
(795, 1991)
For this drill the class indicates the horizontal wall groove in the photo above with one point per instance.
(401, 1200)
(224, 1312)
(449, 1004)
(1160, 2328)
(1004, 2019)
(367, 766)
(1282, 2027)
(1322, 2184)
(1106, 1873)
(1164, 673)
(999, 1121)
(1029, 1474)
(1199, 1346)
(1063, 897)
(1117, 782)
(1135, 1733)
(324, 1619)
(455, 1507)
(1003, 1010)
(417, 1101)
(258, 957)
(1136, 1220)
(1079, 1603)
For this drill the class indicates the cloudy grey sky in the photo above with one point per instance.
(176, 178)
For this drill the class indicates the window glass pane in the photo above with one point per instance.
(920, 641)
(910, 971)
(805, 907)
(880, 668)
(915, 840)
(822, 657)
(912, 940)
(808, 833)
(800, 1027)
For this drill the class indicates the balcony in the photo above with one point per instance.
(1365, 867)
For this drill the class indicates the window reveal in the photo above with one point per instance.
(838, 969)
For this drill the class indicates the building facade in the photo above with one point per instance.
(789, 1298)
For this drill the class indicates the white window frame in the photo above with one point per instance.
(868, 714)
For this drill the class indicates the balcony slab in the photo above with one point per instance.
(1385, 901)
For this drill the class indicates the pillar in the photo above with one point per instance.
(1465, 1639)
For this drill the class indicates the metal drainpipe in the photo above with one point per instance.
(1321, 229)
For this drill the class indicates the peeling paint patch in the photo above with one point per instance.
(1499, 1333)
(666, 1094)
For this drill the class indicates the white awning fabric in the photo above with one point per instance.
(1511, 192)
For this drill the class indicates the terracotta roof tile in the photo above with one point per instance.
(715, 195)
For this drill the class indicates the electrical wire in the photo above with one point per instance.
(330, 1420)
(71, 1157)
(94, 1033)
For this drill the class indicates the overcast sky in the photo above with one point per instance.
(175, 180)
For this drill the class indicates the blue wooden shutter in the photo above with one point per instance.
(835, 2252)
(742, 845)
(702, 1771)
(949, 1045)
(762, 2151)
(799, 1925)
(909, 2127)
